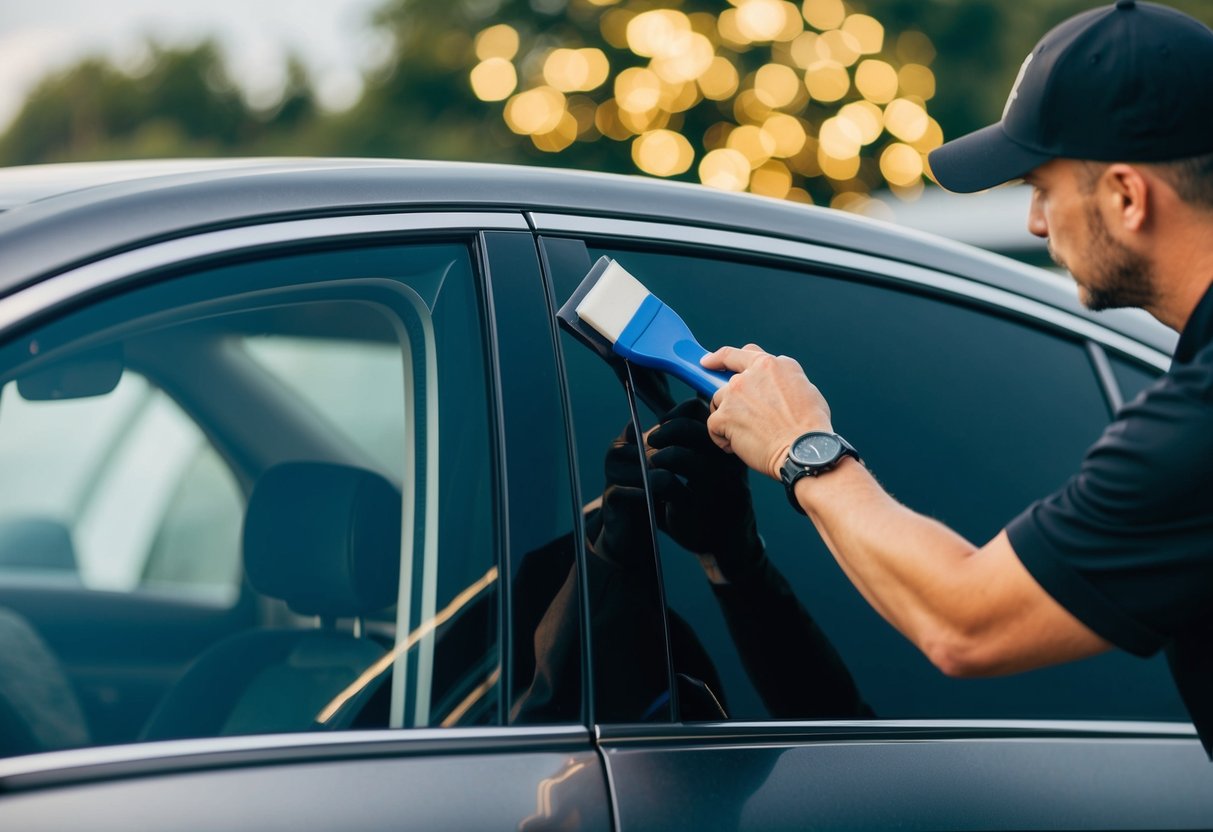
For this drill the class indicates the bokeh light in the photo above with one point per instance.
(824, 14)
(726, 169)
(771, 179)
(906, 120)
(752, 142)
(901, 164)
(500, 41)
(765, 95)
(535, 111)
(494, 79)
(867, 32)
(876, 81)
(662, 153)
(827, 81)
(720, 80)
(776, 85)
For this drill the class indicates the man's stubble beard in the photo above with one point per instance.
(1114, 276)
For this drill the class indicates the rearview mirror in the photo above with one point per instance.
(93, 373)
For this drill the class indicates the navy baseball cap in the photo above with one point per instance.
(1131, 82)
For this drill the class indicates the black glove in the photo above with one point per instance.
(702, 493)
(620, 534)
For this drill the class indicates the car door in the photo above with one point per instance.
(380, 394)
(967, 403)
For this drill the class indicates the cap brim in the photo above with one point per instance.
(981, 160)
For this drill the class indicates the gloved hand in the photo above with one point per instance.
(702, 494)
(619, 534)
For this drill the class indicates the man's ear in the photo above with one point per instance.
(1127, 196)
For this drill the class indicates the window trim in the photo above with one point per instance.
(757, 247)
(76, 284)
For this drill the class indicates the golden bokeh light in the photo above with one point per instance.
(494, 79)
(867, 32)
(931, 138)
(752, 142)
(838, 46)
(799, 195)
(728, 30)
(688, 57)
(678, 98)
(637, 123)
(827, 81)
(906, 120)
(726, 169)
(761, 20)
(749, 109)
(824, 14)
(913, 47)
(876, 81)
(652, 34)
(776, 85)
(840, 138)
(500, 41)
(637, 90)
(788, 133)
(662, 153)
(535, 111)
(608, 122)
(567, 69)
(771, 179)
(614, 27)
(835, 168)
(901, 164)
(704, 23)
(720, 80)
(793, 23)
(583, 108)
(558, 139)
(804, 50)
(917, 80)
(603, 2)
(867, 119)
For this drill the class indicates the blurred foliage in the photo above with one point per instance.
(420, 101)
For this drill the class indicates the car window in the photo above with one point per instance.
(1131, 376)
(272, 500)
(962, 414)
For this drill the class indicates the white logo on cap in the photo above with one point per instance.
(1015, 88)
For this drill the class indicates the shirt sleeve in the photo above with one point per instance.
(1126, 545)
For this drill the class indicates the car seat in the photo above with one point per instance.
(324, 538)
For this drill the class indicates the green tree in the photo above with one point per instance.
(183, 102)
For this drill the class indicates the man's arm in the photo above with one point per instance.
(972, 611)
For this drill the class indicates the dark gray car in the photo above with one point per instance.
(312, 518)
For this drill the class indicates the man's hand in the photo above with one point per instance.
(763, 408)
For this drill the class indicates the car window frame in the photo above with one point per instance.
(61, 293)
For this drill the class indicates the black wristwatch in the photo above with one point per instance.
(811, 455)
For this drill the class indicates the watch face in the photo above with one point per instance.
(816, 449)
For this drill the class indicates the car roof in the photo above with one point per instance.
(60, 216)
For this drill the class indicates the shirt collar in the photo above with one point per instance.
(1198, 332)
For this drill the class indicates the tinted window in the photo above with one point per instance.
(289, 486)
(963, 415)
(1131, 376)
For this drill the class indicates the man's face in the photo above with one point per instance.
(1065, 211)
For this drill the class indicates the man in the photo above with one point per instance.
(1109, 123)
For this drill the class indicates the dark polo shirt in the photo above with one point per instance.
(1127, 544)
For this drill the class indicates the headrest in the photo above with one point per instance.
(325, 538)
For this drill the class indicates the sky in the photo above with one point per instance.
(333, 37)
